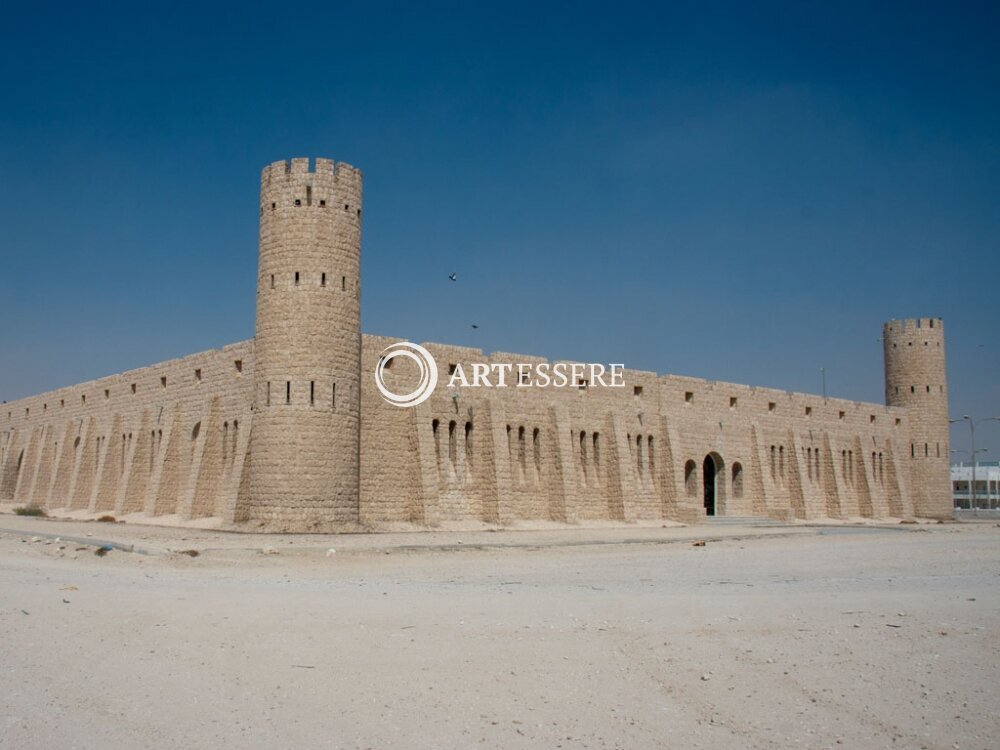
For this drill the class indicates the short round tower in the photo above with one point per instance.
(915, 379)
(307, 349)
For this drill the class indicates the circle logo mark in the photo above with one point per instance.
(428, 373)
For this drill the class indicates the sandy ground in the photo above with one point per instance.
(781, 637)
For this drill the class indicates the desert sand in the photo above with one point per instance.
(778, 637)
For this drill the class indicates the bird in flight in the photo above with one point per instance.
(453, 277)
(474, 325)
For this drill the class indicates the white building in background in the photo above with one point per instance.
(987, 484)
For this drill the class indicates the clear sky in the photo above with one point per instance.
(739, 192)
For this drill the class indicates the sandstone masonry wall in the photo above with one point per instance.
(171, 439)
(637, 452)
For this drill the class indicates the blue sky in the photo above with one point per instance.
(740, 192)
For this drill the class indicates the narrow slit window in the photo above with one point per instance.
(536, 451)
(343, 283)
(288, 391)
(236, 437)
(333, 398)
(312, 393)
(435, 424)
(521, 452)
(296, 278)
(322, 279)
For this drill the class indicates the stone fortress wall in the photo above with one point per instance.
(288, 431)
(171, 439)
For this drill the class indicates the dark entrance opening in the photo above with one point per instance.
(709, 471)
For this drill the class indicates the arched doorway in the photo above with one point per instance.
(710, 476)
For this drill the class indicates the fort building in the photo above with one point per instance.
(288, 432)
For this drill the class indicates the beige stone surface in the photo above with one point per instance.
(287, 432)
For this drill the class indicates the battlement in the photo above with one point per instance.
(302, 166)
(912, 325)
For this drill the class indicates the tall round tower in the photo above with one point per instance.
(915, 379)
(305, 461)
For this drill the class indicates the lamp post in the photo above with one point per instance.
(972, 432)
